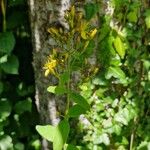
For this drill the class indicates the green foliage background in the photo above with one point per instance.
(18, 115)
(119, 117)
(119, 94)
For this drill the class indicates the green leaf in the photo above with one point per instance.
(15, 19)
(19, 146)
(57, 89)
(64, 78)
(105, 139)
(147, 18)
(132, 16)
(104, 31)
(15, 2)
(147, 21)
(1, 87)
(123, 116)
(120, 47)
(61, 135)
(60, 90)
(58, 135)
(117, 129)
(23, 106)
(47, 131)
(3, 59)
(90, 10)
(11, 66)
(76, 111)
(7, 42)
(5, 109)
(6, 142)
(144, 145)
(80, 100)
(51, 89)
(89, 49)
(116, 72)
(71, 147)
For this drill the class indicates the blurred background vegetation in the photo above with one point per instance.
(18, 115)
(118, 94)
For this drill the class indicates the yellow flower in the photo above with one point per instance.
(54, 32)
(50, 66)
(93, 33)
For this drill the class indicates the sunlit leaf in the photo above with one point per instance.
(46, 131)
(6, 142)
(51, 89)
(123, 116)
(116, 72)
(3, 59)
(132, 16)
(147, 18)
(61, 134)
(11, 66)
(147, 21)
(5, 109)
(120, 47)
(84, 34)
(144, 145)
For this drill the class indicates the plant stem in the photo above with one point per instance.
(3, 8)
(133, 134)
(68, 87)
(131, 140)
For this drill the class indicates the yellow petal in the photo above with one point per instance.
(47, 72)
(53, 31)
(83, 35)
(93, 33)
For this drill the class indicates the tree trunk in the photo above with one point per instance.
(40, 11)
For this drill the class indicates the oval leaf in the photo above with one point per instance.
(11, 66)
(5, 109)
(47, 131)
(147, 18)
(76, 111)
(80, 100)
(117, 73)
(7, 42)
(3, 59)
(119, 46)
(132, 16)
(51, 89)
(23, 106)
(61, 135)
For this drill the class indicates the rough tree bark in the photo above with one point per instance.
(40, 18)
(40, 11)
